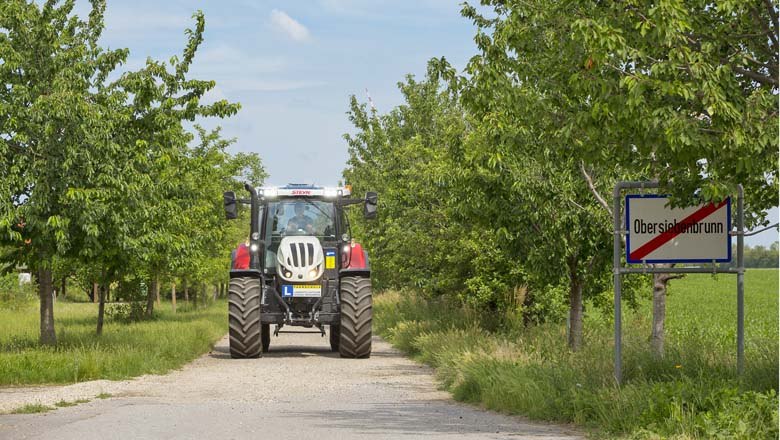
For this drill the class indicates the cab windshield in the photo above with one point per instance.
(300, 216)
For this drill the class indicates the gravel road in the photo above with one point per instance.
(300, 390)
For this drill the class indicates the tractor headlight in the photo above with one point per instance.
(313, 273)
(287, 274)
(268, 193)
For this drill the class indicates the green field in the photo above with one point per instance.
(124, 350)
(693, 392)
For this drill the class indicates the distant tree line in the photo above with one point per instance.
(759, 256)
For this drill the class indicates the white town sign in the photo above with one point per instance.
(657, 233)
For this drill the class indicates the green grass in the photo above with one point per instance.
(34, 408)
(124, 350)
(65, 404)
(693, 392)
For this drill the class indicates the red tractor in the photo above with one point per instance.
(304, 269)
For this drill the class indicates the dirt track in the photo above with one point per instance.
(299, 390)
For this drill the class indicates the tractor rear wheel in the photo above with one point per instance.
(356, 314)
(244, 317)
(266, 337)
(335, 335)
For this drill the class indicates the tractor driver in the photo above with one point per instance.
(300, 221)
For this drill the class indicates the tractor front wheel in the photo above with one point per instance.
(356, 314)
(244, 317)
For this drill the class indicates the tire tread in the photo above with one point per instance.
(356, 317)
(244, 296)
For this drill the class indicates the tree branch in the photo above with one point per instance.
(593, 190)
(591, 262)
(771, 33)
(763, 79)
(666, 277)
(770, 9)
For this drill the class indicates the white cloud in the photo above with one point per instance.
(289, 26)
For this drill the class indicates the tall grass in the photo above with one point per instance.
(693, 392)
(124, 350)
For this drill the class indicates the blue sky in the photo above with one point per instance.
(294, 65)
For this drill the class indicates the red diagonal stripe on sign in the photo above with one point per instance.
(664, 237)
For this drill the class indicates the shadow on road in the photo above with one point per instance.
(286, 351)
(419, 418)
(299, 351)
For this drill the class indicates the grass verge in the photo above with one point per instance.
(124, 350)
(693, 392)
(34, 408)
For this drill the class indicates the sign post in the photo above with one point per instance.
(656, 233)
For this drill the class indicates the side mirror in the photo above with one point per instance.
(369, 208)
(231, 207)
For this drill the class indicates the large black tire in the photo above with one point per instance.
(335, 336)
(244, 317)
(266, 337)
(356, 313)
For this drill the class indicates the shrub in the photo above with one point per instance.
(126, 312)
(14, 295)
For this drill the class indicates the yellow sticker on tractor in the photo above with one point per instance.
(330, 262)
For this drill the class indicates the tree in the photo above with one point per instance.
(678, 91)
(50, 124)
(89, 163)
(489, 216)
(162, 101)
(681, 91)
(404, 156)
(197, 217)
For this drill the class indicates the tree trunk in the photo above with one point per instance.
(45, 293)
(157, 289)
(173, 297)
(575, 307)
(216, 292)
(64, 284)
(186, 291)
(659, 314)
(200, 292)
(94, 292)
(150, 290)
(102, 293)
(660, 285)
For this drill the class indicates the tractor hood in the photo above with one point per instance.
(299, 259)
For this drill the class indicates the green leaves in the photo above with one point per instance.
(102, 173)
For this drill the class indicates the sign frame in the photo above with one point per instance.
(619, 269)
(674, 260)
